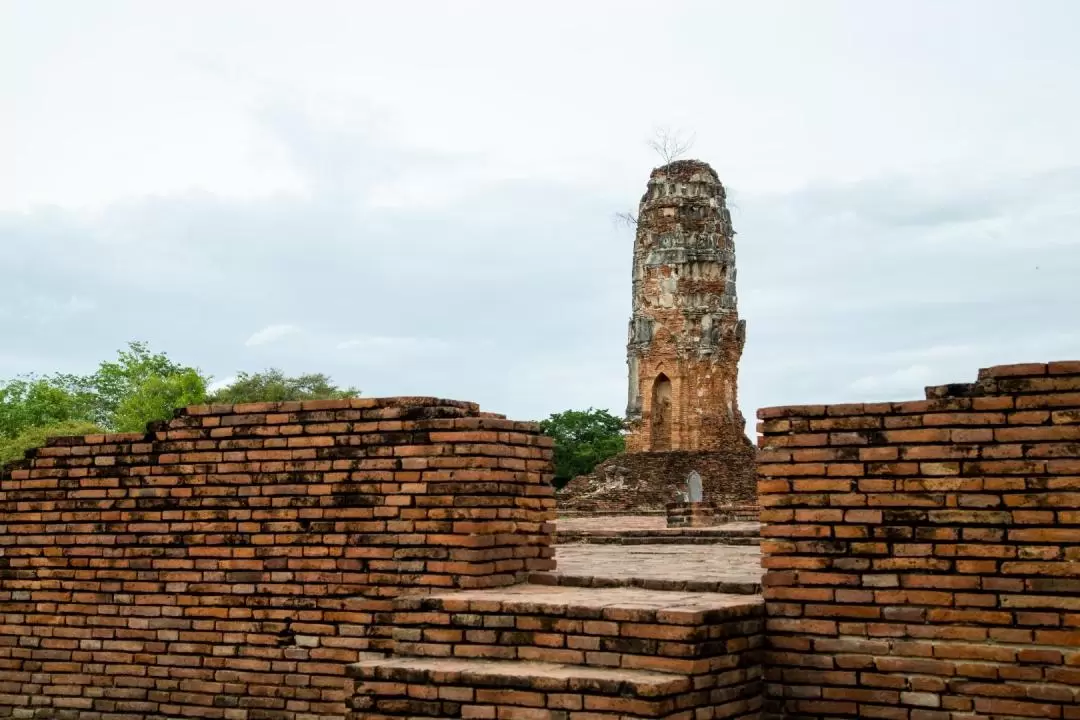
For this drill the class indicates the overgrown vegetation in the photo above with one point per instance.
(13, 448)
(583, 439)
(274, 386)
(123, 395)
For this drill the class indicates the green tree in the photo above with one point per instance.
(32, 401)
(274, 386)
(156, 397)
(123, 395)
(135, 370)
(120, 396)
(583, 439)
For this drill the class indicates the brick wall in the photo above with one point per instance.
(923, 558)
(231, 563)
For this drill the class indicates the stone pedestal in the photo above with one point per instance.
(691, 514)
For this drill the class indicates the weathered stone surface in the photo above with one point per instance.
(692, 568)
(691, 514)
(922, 558)
(636, 482)
(683, 350)
(556, 652)
(685, 337)
(232, 562)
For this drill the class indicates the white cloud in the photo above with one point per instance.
(76, 304)
(378, 346)
(271, 334)
(937, 351)
(48, 309)
(434, 237)
(222, 383)
(902, 380)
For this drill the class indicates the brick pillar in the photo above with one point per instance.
(923, 558)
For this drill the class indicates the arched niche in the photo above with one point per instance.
(661, 426)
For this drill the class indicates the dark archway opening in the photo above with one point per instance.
(660, 435)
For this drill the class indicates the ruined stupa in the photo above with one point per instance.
(683, 350)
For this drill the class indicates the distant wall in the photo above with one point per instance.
(647, 482)
(232, 562)
(923, 558)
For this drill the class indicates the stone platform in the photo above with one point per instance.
(696, 568)
(652, 530)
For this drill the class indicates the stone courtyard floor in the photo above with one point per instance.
(651, 530)
(711, 568)
(632, 522)
(684, 561)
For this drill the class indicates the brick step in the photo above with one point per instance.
(615, 538)
(562, 579)
(718, 531)
(691, 633)
(521, 690)
(640, 531)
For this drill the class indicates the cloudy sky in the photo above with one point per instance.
(419, 198)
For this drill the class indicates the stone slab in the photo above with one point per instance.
(673, 607)
(523, 675)
(708, 568)
(632, 523)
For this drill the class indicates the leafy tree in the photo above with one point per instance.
(14, 447)
(32, 401)
(135, 370)
(274, 386)
(156, 397)
(123, 395)
(583, 439)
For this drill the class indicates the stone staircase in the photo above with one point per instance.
(731, 535)
(536, 652)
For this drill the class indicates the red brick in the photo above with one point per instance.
(1065, 417)
(928, 435)
(1037, 433)
(796, 469)
(981, 435)
(1064, 367)
(1017, 370)
(963, 418)
(1052, 401)
(878, 454)
(791, 411)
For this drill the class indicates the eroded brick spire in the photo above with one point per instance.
(685, 336)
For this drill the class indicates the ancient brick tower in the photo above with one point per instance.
(685, 338)
(683, 352)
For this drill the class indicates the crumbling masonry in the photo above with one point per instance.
(923, 558)
(685, 337)
(683, 350)
(234, 561)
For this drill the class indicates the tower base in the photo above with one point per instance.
(644, 483)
